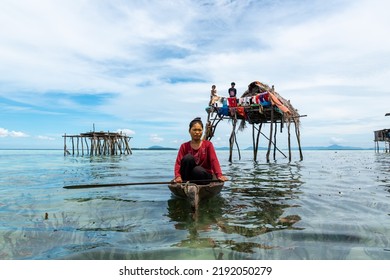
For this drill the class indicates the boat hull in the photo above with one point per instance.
(194, 192)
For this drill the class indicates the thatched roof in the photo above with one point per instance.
(257, 87)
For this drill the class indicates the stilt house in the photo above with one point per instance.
(258, 106)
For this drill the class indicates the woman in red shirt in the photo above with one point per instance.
(197, 159)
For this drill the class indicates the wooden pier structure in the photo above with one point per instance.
(258, 106)
(97, 144)
(382, 135)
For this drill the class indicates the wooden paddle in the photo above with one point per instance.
(128, 184)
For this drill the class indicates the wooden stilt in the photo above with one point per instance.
(82, 146)
(297, 133)
(270, 133)
(258, 138)
(254, 143)
(65, 144)
(289, 140)
(231, 140)
(86, 146)
(78, 139)
(274, 143)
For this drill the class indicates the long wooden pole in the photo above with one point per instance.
(65, 144)
(270, 132)
(128, 184)
(253, 143)
(258, 138)
(232, 138)
(78, 139)
(276, 130)
(297, 133)
(289, 140)
(265, 136)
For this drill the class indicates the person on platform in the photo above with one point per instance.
(214, 98)
(197, 160)
(232, 90)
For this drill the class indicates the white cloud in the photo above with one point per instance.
(46, 138)
(15, 134)
(154, 138)
(126, 131)
(337, 141)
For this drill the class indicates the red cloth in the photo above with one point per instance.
(205, 156)
(241, 111)
(232, 101)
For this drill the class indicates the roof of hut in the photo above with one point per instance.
(257, 87)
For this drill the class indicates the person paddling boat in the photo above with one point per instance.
(196, 159)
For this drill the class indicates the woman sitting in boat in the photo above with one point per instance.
(197, 160)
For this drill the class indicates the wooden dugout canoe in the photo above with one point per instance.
(195, 193)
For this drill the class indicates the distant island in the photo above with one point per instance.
(156, 148)
(336, 147)
(314, 148)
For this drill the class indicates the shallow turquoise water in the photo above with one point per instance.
(331, 205)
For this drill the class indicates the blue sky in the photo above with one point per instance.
(146, 67)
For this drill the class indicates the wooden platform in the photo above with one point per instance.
(97, 143)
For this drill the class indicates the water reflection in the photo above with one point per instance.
(90, 169)
(253, 203)
(200, 224)
(259, 197)
(382, 162)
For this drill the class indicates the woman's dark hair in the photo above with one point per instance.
(196, 120)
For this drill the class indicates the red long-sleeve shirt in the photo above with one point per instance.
(205, 156)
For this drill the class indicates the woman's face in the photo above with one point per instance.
(196, 131)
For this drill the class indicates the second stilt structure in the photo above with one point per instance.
(97, 143)
(382, 135)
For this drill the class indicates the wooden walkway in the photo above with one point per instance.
(97, 143)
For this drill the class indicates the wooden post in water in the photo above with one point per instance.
(276, 130)
(65, 144)
(232, 139)
(270, 133)
(254, 143)
(72, 146)
(297, 133)
(289, 140)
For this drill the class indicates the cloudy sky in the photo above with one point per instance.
(146, 67)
